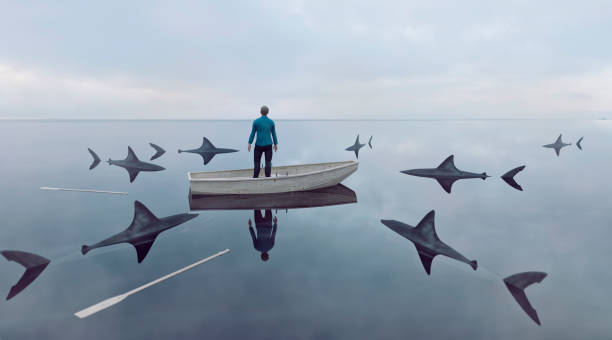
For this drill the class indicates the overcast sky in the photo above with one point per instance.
(305, 59)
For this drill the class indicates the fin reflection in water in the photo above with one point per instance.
(426, 241)
(446, 173)
(207, 150)
(133, 165)
(143, 230)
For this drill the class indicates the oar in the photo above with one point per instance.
(116, 299)
(85, 190)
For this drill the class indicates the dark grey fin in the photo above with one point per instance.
(357, 153)
(578, 143)
(357, 140)
(131, 155)
(142, 248)
(207, 157)
(34, 265)
(447, 184)
(206, 144)
(517, 283)
(85, 249)
(448, 164)
(557, 151)
(559, 139)
(158, 151)
(142, 216)
(426, 258)
(508, 177)
(370, 142)
(427, 226)
(96, 159)
(133, 173)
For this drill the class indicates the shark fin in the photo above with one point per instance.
(142, 248)
(34, 265)
(96, 159)
(517, 283)
(131, 155)
(427, 226)
(446, 184)
(508, 177)
(133, 173)
(578, 143)
(207, 157)
(557, 151)
(158, 151)
(206, 144)
(559, 139)
(142, 215)
(448, 164)
(356, 153)
(426, 258)
(370, 142)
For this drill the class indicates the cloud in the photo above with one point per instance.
(304, 58)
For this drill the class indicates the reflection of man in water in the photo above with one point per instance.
(266, 231)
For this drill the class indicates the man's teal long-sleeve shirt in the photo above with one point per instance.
(264, 127)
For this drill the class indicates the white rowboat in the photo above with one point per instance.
(284, 179)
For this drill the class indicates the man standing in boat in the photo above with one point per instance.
(266, 134)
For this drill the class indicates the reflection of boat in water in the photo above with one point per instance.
(284, 179)
(334, 195)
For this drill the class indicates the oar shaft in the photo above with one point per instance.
(163, 278)
(85, 190)
(116, 299)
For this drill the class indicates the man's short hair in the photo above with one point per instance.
(264, 110)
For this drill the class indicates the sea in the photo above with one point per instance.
(333, 271)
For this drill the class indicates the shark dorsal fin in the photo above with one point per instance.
(559, 139)
(143, 217)
(448, 163)
(206, 144)
(427, 227)
(131, 155)
(357, 140)
(426, 258)
(142, 248)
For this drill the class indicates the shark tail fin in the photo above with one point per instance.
(508, 177)
(96, 159)
(370, 142)
(474, 264)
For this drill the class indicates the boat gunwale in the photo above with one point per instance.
(237, 179)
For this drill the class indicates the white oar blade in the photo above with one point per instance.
(100, 306)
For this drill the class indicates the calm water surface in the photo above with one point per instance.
(334, 272)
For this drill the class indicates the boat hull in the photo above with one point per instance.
(284, 179)
(334, 195)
